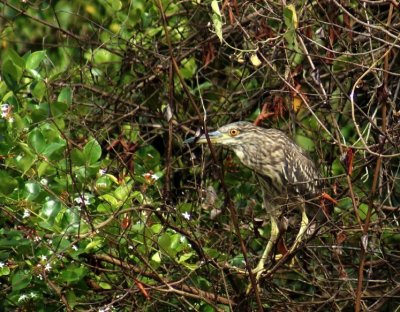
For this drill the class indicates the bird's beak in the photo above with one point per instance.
(215, 137)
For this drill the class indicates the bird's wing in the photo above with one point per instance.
(299, 171)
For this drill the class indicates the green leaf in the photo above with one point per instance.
(20, 280)
(50, 210)
(345, 203)
(167, 244)
(217, 19)
(65, 96)
(131, 131)
(71, 298)
(185, 257)
(54, 148)
(33, 190)
(35, 59)
(115, 203)
(123, 191)
(156, 257)
(104, 207)
(39, 112)
(39, 90)
(363, 211)
(105, 285)
(26, 158)
(36, 140)
(14, 241)
(5, 270)
(11, 74)
(12, 55)
(95, 244)
(8, 183)
(72, 274)
(116, 5)
(58, 108)
(189, 68)
(77, 157)
(46, 169)
(92, 151)
(343, 63)
(290, 16)
(305, 142)
(104, 183)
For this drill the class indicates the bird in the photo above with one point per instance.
(285, 172)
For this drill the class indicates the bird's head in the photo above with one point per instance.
(232, 134)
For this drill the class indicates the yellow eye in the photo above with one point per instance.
(233, 132)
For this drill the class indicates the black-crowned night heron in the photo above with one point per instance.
(285, 173)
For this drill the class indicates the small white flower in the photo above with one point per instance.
(5, 110)
(33, 295)
(47, 267)
(22, 298)
(10, 120)
(102, 172)
(37, 239)
(74, 247)
(44, 181)
(82, 199)
(186, 215)
(150, 176)
(2, 265)
(26, 214)
(43, 257)
(130, 247)
(5, 107)
(182, 239)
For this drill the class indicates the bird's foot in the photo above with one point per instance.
(258, 272)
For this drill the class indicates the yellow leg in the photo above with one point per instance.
(272, 240)
(259, 269)
(303, 228)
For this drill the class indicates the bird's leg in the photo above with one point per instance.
(272, 240)
(303, 228)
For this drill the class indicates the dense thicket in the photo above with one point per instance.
(103, 208)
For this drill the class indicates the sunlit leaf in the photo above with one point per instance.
(50, 210)
(35, 59)
(95, 244)
(217, 19)
(255, 60)
(36, 140)
(92, 151)
(290, 16)
(105, 285)
(65, 96)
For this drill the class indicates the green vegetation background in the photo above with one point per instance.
(103, 208)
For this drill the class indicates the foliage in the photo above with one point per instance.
(103, 208)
